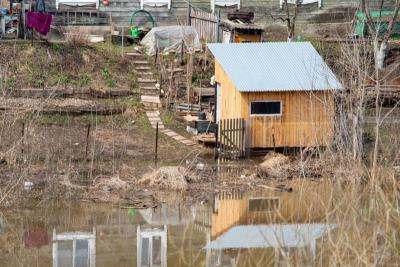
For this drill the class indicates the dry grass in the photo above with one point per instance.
(166, 178)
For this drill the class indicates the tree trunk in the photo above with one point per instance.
(357, 137)
(291, 29)
(380, 50)
(377, 126)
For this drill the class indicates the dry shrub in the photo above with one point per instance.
(275, 165)
(166, 178)
(106, 183)
(77, 39)
(9, 157)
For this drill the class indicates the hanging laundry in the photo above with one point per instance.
(39, 21)
(40, 6)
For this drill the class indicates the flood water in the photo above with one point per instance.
(233, 228)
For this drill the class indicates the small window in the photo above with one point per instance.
(264, 204)
(266, 108)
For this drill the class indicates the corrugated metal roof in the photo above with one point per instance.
(258, 67)
(274, 235)
(244, 26)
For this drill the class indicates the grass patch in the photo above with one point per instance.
(50, 65)
(143, 123)
(169, 120)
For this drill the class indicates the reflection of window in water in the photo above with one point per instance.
(264, 204)
(152, 247)
(76, 249)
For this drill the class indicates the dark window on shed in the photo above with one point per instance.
(270, 108)
(264, 204)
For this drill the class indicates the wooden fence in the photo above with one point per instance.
(231, 138)
(206, 25)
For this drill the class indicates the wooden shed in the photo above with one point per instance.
(284, 92)
(236, 32)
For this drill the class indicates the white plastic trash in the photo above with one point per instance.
(28, 185)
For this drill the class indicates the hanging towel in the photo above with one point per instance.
(39, 21)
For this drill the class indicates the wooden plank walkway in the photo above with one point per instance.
(154, 117)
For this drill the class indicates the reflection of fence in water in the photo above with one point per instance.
(226, 170)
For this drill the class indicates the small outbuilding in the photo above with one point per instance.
(236, 32)
(284, 92)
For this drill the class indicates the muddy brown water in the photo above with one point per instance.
(233, 228)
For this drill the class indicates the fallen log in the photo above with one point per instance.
(68, 92)
(68, 110)
(58, 106)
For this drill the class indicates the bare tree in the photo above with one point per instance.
(381, 41)
(291, 12)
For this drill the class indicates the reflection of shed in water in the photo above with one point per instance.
(269, 207)
(282, 239)
(254, 229)
(76, 249)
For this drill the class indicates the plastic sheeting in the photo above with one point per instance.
(168, 38)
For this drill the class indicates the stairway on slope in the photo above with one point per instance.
(150, 95)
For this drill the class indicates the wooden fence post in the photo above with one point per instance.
(247, 143)
(87, 141)
(156, 148)
(218, 24)
(22, 138)
(216, 152)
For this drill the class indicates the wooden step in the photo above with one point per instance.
(152, 99)
(151, 105)
(135, 55)
(148, 88)
(142, 80)
(151, 93)
(142, 68)
(146, 75)
(141, 62)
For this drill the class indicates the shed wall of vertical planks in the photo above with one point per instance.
(307, 118)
